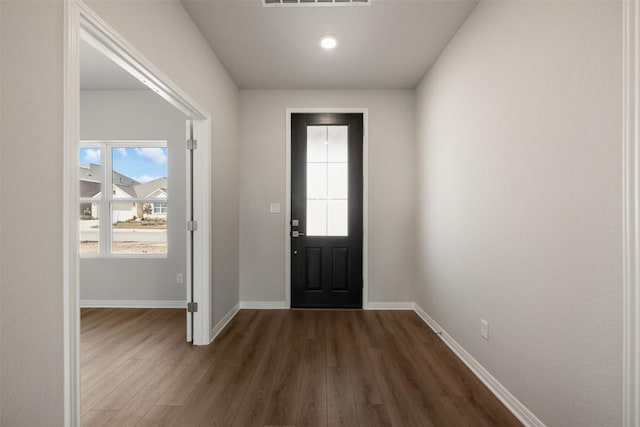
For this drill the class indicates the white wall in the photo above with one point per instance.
(262, 181)
(519, 202)
(31, 173)
(139, 115)
(31, 352)
(165, 34)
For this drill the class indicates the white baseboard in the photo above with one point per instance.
(372, 305)
(264, 305)
(223, 322)
(117, 303)
(514, 405)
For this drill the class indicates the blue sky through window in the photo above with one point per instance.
(143, 164)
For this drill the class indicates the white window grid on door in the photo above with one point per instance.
(327, 181)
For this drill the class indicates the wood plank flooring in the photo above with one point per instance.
(277, 368)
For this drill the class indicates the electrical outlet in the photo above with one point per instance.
(179, 278)
(484, 329)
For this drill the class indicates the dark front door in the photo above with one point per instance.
(326, 210)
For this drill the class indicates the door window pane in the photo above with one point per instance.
(327, 181)
(138, 229)
(338, 144)
(316, 217)
(337, 215)
(317, 144)
(338, 184)
(316, 181)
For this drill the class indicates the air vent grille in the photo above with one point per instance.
(271, 3)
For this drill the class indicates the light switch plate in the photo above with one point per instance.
(484, 329)
(274, 208)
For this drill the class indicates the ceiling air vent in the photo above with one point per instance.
(271, 3)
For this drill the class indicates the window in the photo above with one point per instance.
(327, 181)
(160, 208)
(135, 204)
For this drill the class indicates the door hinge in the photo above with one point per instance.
(192, 144)
(192, 225)
(192, 307)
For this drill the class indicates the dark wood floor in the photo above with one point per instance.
(277, 368)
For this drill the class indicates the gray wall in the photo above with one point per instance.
(139, 115)
(262, 181)
(165, 34)
(519, 202)
(31, 126)
(31, 176)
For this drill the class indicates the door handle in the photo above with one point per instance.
(296, 234)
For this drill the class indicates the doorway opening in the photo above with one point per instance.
(137, 197)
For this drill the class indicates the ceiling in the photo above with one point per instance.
(387, 45)
(97, 72)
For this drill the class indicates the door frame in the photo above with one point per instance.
(365, 196)
(631, 212)
(82, 21)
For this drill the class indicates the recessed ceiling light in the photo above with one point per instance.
(328, 42)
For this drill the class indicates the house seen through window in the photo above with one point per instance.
(131, 217)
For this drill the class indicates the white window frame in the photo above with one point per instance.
(106, 200)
